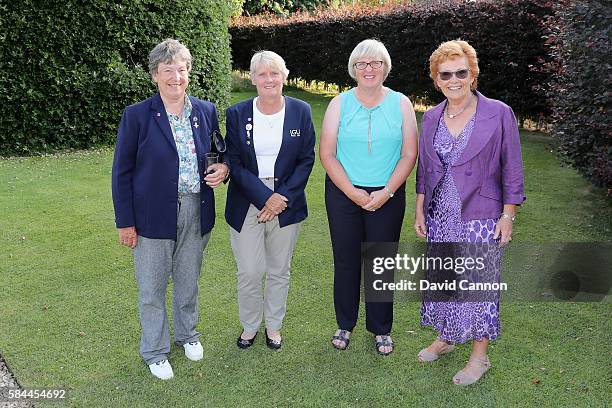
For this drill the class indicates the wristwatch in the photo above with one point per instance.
(391, 194)
(512, 217)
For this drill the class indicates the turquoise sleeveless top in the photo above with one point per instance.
(370, 160)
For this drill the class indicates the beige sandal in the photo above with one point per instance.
(479, 365)
(426, 356)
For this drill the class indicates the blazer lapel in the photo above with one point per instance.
(246, 127)
(484, 126)
(161, 118)
(429, 131)
(288, 123)
(200, 130)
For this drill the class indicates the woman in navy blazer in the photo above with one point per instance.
(164, 204)
(270, 149)
(469, 182)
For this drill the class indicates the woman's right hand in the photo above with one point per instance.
(359, 196)
(419, 224)
(276, 203)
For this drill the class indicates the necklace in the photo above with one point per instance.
(272, 118)
(370, 107)
(454, 115)
(268, 121)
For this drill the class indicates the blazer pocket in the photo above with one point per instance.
(491, 191)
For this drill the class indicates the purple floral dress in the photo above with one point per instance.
(457, 321)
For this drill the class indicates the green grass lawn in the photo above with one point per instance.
(69, 318)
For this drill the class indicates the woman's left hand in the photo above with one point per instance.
(503, 229)
(216, 178)
(379, 198)
(265, 215)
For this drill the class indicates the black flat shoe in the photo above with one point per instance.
(273, 344)
(244, 343)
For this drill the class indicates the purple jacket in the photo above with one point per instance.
(489, 172)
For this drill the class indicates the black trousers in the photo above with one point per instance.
(349, 226)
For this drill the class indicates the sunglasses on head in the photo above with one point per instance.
(460, 74)
(217, 142)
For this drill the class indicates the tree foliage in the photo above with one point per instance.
(580, 88)
(70, 67)
(252, 7)
(507, 34)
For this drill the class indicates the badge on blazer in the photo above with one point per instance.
(248, 128)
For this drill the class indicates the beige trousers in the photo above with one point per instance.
(263, 249)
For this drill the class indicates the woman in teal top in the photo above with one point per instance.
(368, 149)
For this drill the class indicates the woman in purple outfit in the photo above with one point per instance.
(469, 181)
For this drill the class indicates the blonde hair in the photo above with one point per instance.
(373, 49)
(269, 58)
(451, 50)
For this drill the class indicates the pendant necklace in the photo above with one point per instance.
(268, 121)
(454, 115)
(265, 116)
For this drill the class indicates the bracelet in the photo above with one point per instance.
(389, 192)
(511, 217)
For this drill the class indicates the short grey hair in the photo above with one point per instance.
(269, 58)
(372, 49)
(167, 51)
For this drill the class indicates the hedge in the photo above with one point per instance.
(252, 7)
(507, 35)
(70, 67)
(580, 90)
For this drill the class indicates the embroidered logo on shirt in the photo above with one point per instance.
(294, 132)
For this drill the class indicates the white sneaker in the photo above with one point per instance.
(194, 350)
(162, 370)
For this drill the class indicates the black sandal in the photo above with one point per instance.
(385, 341)
(244, 343)
(342, 337)
(273, 344)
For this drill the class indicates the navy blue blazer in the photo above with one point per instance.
(145, 168)
(291, 170)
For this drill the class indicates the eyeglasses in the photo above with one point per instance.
(363, 65)
(171, 73)
(460, 74)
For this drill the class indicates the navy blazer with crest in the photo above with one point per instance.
(489, 172)
(146, 165)
(291, 169)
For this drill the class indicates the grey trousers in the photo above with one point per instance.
(263, 249)
(155, 261)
